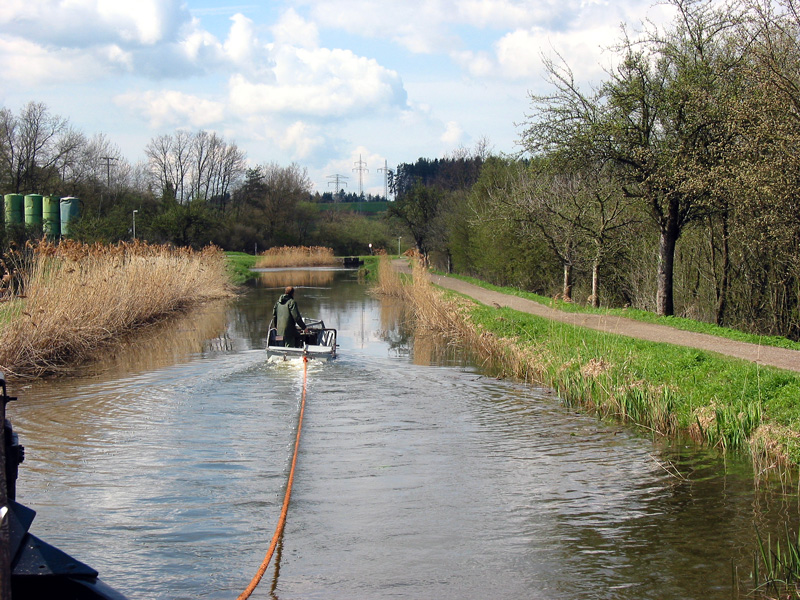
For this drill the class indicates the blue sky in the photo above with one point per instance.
(314, 82)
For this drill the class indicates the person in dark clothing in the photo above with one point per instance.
(287, 319)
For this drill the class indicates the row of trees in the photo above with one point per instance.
(672, 186)
(192, 189)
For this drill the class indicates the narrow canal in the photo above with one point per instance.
(418, 476)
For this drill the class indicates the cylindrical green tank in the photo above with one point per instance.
(51, 216)
(70, 209)
(33, 209)
(15, 205)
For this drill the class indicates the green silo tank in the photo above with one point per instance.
(70, 209)
(15, 205)
(33, 209)
(51, 216)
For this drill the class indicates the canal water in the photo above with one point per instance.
(419, 476)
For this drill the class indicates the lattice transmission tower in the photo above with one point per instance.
(361, 167)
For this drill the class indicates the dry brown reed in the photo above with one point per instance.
(296, 256)
(436, 313)
(389, 281)
(78, 298)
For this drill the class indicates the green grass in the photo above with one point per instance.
(369, 271)
(655, 385)
(239, 264)
(370, 208)
(645, 316)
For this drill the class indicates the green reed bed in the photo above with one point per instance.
(776, 569)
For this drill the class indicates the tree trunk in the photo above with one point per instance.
(722, 297)
(567, 293)
(666, 266)
(595, 297)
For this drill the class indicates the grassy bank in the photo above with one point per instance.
(667, 390)
(641, 315)
(76, 299)
(239, 265)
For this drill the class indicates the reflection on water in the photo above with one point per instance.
(162, 344)
(280, 278)
(418, 477)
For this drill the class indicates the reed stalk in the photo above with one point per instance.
(776, 569)
(296, 256)
(77, 298)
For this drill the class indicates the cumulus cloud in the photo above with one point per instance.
(453, 135)
(319, 83)
(172, 108)
(293, 30)
(28, 63)
(419, 26)
(428, 26)
(84, 23)
(581, 40)
(301, 140)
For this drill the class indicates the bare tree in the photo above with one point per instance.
(34, 146)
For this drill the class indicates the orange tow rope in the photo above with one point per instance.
(284, 511)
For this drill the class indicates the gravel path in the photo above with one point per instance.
(764, 355)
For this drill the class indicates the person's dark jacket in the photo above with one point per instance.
(287, 319)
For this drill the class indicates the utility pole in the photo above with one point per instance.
(385, 170)
(337, 183)
(108, 160)
(361, 167)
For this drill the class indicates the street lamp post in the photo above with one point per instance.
(399, 237)
(134, 223)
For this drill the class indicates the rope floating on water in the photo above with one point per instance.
(285, 510)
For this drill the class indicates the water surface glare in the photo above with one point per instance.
(417, 477)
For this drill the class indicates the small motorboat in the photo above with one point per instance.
(318, 342)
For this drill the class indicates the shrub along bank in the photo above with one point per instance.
(667, 390)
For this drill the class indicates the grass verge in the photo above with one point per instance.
(667, 390)
(238, 266)
(640, 315)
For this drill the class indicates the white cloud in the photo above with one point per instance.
(301, 140)
(293, 30)
(319, 83)
(506, 13)
(172, 108)
(419, 26)
(242, 45)
(27, 63)
(85, 23)
(453, 135)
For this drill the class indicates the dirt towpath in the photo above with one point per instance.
(764, 355)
